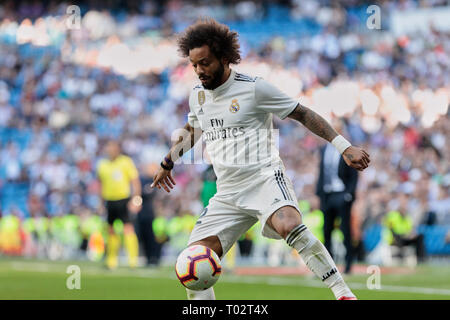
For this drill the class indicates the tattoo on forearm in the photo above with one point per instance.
(314, 122)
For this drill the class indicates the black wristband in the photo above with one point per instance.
(166, 167)
(169, 162)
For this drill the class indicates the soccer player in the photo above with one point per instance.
(116, 174)
(233, 112)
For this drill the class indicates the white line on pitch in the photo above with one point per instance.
(353, 285)
(93, 270)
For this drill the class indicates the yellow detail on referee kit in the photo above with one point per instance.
(234, 106)
(115, 177)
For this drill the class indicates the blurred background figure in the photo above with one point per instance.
(146, 217)
(121, 191)
(336, 188)
(400, 230)
(209, 187)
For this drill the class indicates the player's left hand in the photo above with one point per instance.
(356, 158)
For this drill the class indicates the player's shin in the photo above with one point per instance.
(318, 260)
(132, 247)
(113, 247)
(207, 294)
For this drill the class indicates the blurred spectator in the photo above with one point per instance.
(401, 232)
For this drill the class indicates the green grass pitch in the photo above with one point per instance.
(41, 279)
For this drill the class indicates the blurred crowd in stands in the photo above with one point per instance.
(65, 88)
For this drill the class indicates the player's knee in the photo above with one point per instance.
(284, 220)
(288, 226)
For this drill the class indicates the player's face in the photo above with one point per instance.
(208, 68)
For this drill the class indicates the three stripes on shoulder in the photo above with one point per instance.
(243, 77)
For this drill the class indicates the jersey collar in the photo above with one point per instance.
(224, 86)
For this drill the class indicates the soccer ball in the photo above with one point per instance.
(198, 267)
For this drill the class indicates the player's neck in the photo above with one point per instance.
(223, 80)
(225, 76)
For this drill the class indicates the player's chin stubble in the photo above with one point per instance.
(216, 78)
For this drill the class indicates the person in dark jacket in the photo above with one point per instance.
(152, 249)
(336, 189)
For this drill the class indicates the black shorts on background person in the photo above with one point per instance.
(117, 210)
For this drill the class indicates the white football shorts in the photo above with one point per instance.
(231, 215)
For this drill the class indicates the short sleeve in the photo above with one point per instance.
(270, 99)
(193, 120)
(132, 172)
(100, 166)
(192, 117)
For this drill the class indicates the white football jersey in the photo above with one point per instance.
(236, 120)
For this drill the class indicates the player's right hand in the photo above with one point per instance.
(163, 179)
(356, 158)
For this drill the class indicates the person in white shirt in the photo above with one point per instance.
(233, 113)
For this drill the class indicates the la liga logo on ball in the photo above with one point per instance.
(198, 267)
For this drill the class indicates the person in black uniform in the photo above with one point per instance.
(336, 189)
(152, 249)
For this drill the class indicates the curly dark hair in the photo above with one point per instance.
(222, 42)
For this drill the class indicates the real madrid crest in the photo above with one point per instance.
(234, 106)
(201, 97)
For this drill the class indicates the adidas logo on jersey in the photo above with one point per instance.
(201, 111)
(275, 201)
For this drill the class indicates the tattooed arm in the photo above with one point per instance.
(314, 122)
(354, 157)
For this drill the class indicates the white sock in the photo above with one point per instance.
(318, 260)
(207, 294)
